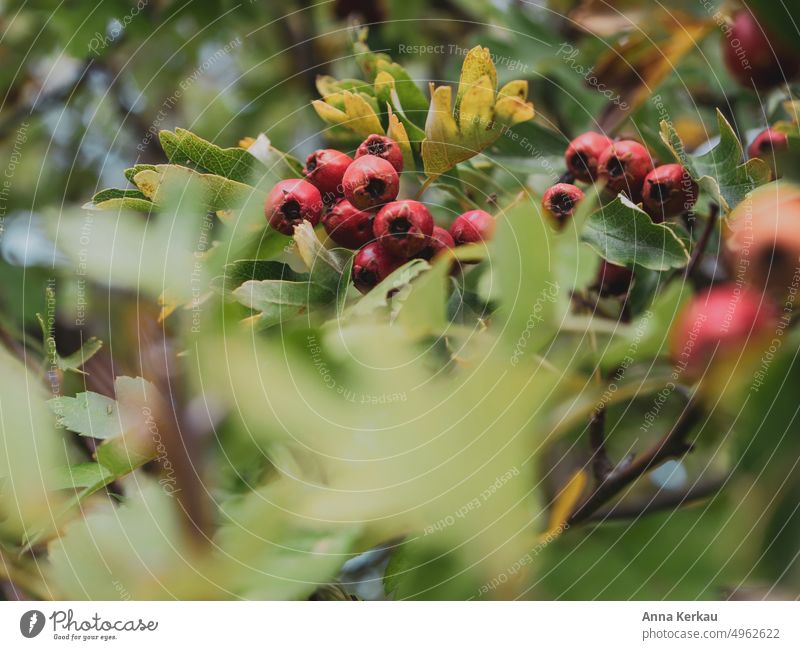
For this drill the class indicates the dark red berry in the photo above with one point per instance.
(720, 322)
(766, 143)
(370, 182)
(613, 280)
(583, 154)
(324, 169)
(403, 227)
(347, 225)
(290, 203)
(383, 147)
(473, 226)
(371, 265)
(754, 58)
(439, 241)
(624, 166)
(561, 200)
(668, 190)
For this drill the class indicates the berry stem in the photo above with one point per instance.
(701, 246)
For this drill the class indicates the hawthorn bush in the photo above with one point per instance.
(526, 334)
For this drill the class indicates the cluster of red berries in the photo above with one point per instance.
(356, 200)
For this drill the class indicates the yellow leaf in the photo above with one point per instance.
(477, 65)
(361, 118)
(148, 181)
(397, 132)
(328, 113)
(475, 118)
(441, 129)
(564, 504)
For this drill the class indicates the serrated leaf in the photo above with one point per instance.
(220, 193)
(185, 148)
(279, 300)
(88, 414)
(624, 234)
(356, 114)
(325, 266)
(720, 171)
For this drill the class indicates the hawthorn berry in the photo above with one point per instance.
(370, 182)
(371, 265)
(403, 227)
(720, 322)
(669, 190)
(583, 154)
(561, 200)
(291, 202)
(347, 225)
(623, 166)
(767, 143)
(383, 147)
(613, 280)
(755, 59)
(324, 169)
(439, 240)
(473, 226)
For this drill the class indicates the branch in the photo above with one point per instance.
(672, 445)
(700, 248)
(601, 464)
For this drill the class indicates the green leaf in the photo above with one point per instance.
(185, 148)
(378, 297)
(720, 171)
(219, 193)
(76, 360)
(105, 195)
(423, 311)
(279, 300)
(238, 272)
(325, 266)
(130, 172)
(88, 414)
(624, 234)
(84, 475)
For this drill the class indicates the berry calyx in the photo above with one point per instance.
(347, 225)
(382, 147)
(613, 280)
(720, 322)
(371, 265)
(440, 240)
(324, 169)
(624, 166)
(669, 190)
(370, 181)
(471, 227)
(753, 58)
(561, 200)
(583, 154)
(403, 227)
(290, 203)
(767, 143)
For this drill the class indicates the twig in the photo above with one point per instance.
(672, 445)
(664, 500)
(601, 464)
(701, 246)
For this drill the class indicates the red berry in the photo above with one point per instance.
(583, 154)
(371, 265)
(613, 280)
(369, 182)
(561, 200)
(439, 240)
(403, 227)
(766, 143)
(623, 166)
(347, 225)
(290, 203)
(669, 190)
(383, 147)
(472, 226)
(755, 59)
(720, 321)
(324, 169)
